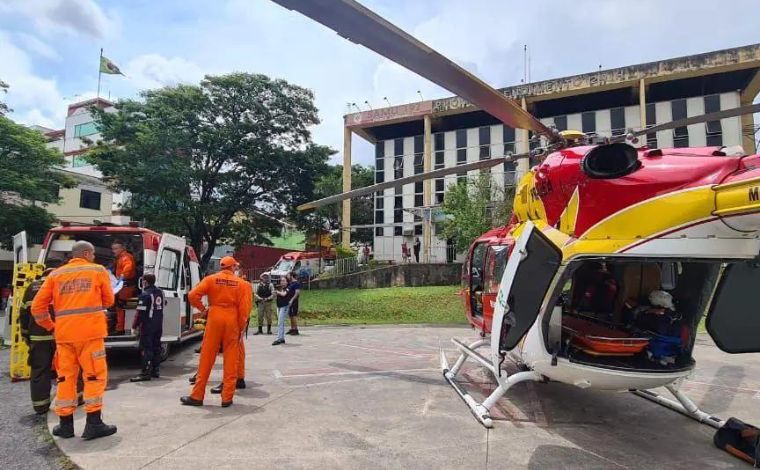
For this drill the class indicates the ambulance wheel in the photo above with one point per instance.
(165, 347)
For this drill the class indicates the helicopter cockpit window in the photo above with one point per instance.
(495, 264)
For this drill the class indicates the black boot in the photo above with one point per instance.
(259, 332)
(65, 429)
(190, 401)
(155, 372)
(192, 379)
(269, 329)
(240, 384)
(96, 428)
(143, 377)
(218, 389)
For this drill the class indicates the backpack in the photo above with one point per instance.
(740, 440)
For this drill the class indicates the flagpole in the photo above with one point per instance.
(99, 73)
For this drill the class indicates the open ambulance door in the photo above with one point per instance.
(168, 269)
(20, 249)
(733, 319)
(529, 272)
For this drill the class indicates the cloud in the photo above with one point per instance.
(35, 100)
(51, 17)
(35, 45)
(155, 70)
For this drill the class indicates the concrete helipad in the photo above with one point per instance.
(352, 397)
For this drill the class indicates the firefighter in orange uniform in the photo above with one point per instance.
(80, 292)
(125, 268)
(240, 383)
(229, 301)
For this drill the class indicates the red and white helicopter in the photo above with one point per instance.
(613, 255)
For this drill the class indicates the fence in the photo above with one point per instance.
(346, 266)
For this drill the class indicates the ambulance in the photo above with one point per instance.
(167, 256)
(303, 263)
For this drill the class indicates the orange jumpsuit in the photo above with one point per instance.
(229, 303)
(126, 268)
(80, 292)
(241, 349)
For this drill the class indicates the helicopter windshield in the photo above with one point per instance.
(495, 264)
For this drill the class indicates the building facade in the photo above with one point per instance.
(419, 137)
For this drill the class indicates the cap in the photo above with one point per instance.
(228, 262)
(263, 275)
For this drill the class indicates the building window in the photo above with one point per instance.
(418, 229)
(439, 160)
(380, 156)
(418, 187)
(398, 167)
(418, 200)
(379, 217)
(379, 176)
(379, 201)
(78, 161)
(713, 129)
(484, 140)
(680, 134)
(588, 122)
(509, 173)
(418, 163)
(397, 232)
(461, 178)
(378, 231)
(89, 200)
(398, 147)
(560, 123)
(508, 137)
(461, 141)
(83, 130)
(651, 121)
(617, 121)
(398, 211)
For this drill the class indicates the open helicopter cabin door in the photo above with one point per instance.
(529, 273)
(168, 266)
(20, 248)
(733, 319)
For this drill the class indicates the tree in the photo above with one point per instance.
(4, 109)
(329, 217)
(474, 207)
(28, 176)
(206, 161)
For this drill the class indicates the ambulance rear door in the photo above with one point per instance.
(169, 261)
(20, 249)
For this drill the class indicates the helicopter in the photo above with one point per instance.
(613, 255)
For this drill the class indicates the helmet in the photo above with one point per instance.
(199, 324)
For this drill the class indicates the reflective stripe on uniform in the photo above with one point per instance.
(142, 307)
(41, 316)
(41, 402)
(74, 311)
(65, 403)
(99, 354)
(76, 269)
(94, 401)
(41, 338)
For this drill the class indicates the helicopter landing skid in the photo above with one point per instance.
(481, 411)
(684, 405)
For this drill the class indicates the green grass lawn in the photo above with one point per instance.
(434, 304)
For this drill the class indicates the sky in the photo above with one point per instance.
(49, 49)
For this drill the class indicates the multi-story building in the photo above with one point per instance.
(426, 135)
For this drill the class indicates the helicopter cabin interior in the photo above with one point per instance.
(635, 314)
(59, 252)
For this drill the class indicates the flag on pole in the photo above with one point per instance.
(108, 67)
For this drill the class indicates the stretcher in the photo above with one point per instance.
(600, 340)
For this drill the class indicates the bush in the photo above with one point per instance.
(342, 252)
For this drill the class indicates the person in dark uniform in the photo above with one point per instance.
(41, 349)
(150, 320)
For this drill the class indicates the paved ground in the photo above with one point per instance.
(24, 439)
(374, 398)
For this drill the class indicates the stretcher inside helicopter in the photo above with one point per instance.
(630, 314)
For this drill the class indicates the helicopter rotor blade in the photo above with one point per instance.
(716, 116)
(354, 193)
(360, 25)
